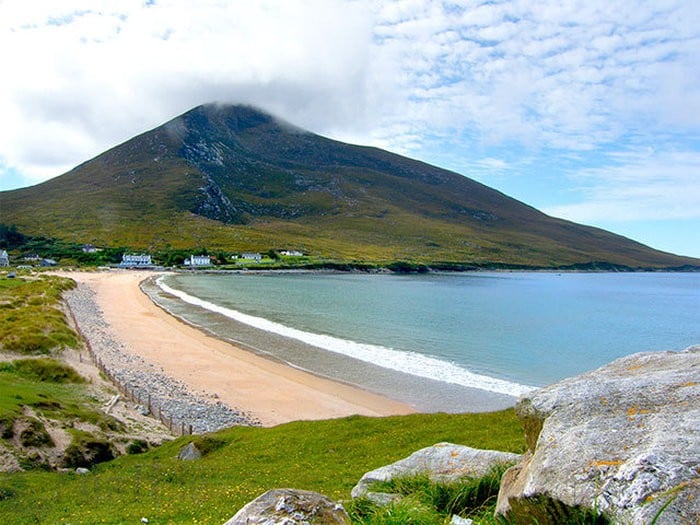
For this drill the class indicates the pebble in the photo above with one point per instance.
(168, 397)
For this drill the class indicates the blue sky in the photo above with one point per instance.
(588, 110)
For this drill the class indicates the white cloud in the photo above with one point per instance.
(551, 78)
(86, 75)
(637, 185)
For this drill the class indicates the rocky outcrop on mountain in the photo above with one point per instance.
(623, 440)
(291, 507)
(444, 462)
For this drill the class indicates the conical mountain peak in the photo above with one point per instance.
(236, 178)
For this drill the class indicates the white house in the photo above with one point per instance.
(4, 258)
(251, 257)
(198, 260)
(291, 253)
(132, 261)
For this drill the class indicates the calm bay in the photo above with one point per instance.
(438, 340)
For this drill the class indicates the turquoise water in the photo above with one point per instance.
(501, 332)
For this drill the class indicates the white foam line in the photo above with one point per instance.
(402, 361)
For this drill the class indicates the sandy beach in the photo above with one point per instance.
(269, 391)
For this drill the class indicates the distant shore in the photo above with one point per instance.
(269, 392)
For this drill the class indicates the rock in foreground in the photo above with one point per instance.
(291, 507)
(443, 462)
(623, 440)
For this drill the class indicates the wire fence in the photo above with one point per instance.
(134, 394)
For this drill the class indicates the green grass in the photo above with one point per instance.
(31, 322)
(17, 391)
(325, 456)
(43, 369)
(423, 501)
(52, 390)
(58, 399)
(467, 497)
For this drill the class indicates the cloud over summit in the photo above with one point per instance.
(448, 82)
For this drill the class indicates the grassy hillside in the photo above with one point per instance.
(325, 456)
(51, 416)
(235, 179)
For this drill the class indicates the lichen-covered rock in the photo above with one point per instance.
(623, 440)
(291, 507)
(443, 462)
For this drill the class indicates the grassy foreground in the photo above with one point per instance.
(325, 456)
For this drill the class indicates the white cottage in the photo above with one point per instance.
(198, 260)
(4, 258)
(251, 257)
(135, 261)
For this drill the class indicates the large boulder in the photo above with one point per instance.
(443, 462)
(623, 440)
(291, 507)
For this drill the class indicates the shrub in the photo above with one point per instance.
(7, 427)
(34, 434)
(6, 493)
(138, 446)
(86, 451)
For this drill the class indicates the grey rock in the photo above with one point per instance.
(82, 470)
(442, 462)
(189, 453)
(291, 507)
(623, 440)
(458, 520)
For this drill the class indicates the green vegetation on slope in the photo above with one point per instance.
(36, 393)
(30, 322)
(50, 416)
(325, 456)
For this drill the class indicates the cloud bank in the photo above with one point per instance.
(610, 88)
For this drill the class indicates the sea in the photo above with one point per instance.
(450, 342)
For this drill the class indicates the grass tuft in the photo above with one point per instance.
(431, 501)
(43, 369)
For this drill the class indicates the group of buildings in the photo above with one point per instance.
(196, 261)
(145, 260)
(33, 259)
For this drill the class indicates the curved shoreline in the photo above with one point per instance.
(269, 391)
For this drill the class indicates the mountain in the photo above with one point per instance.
(231, 177)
